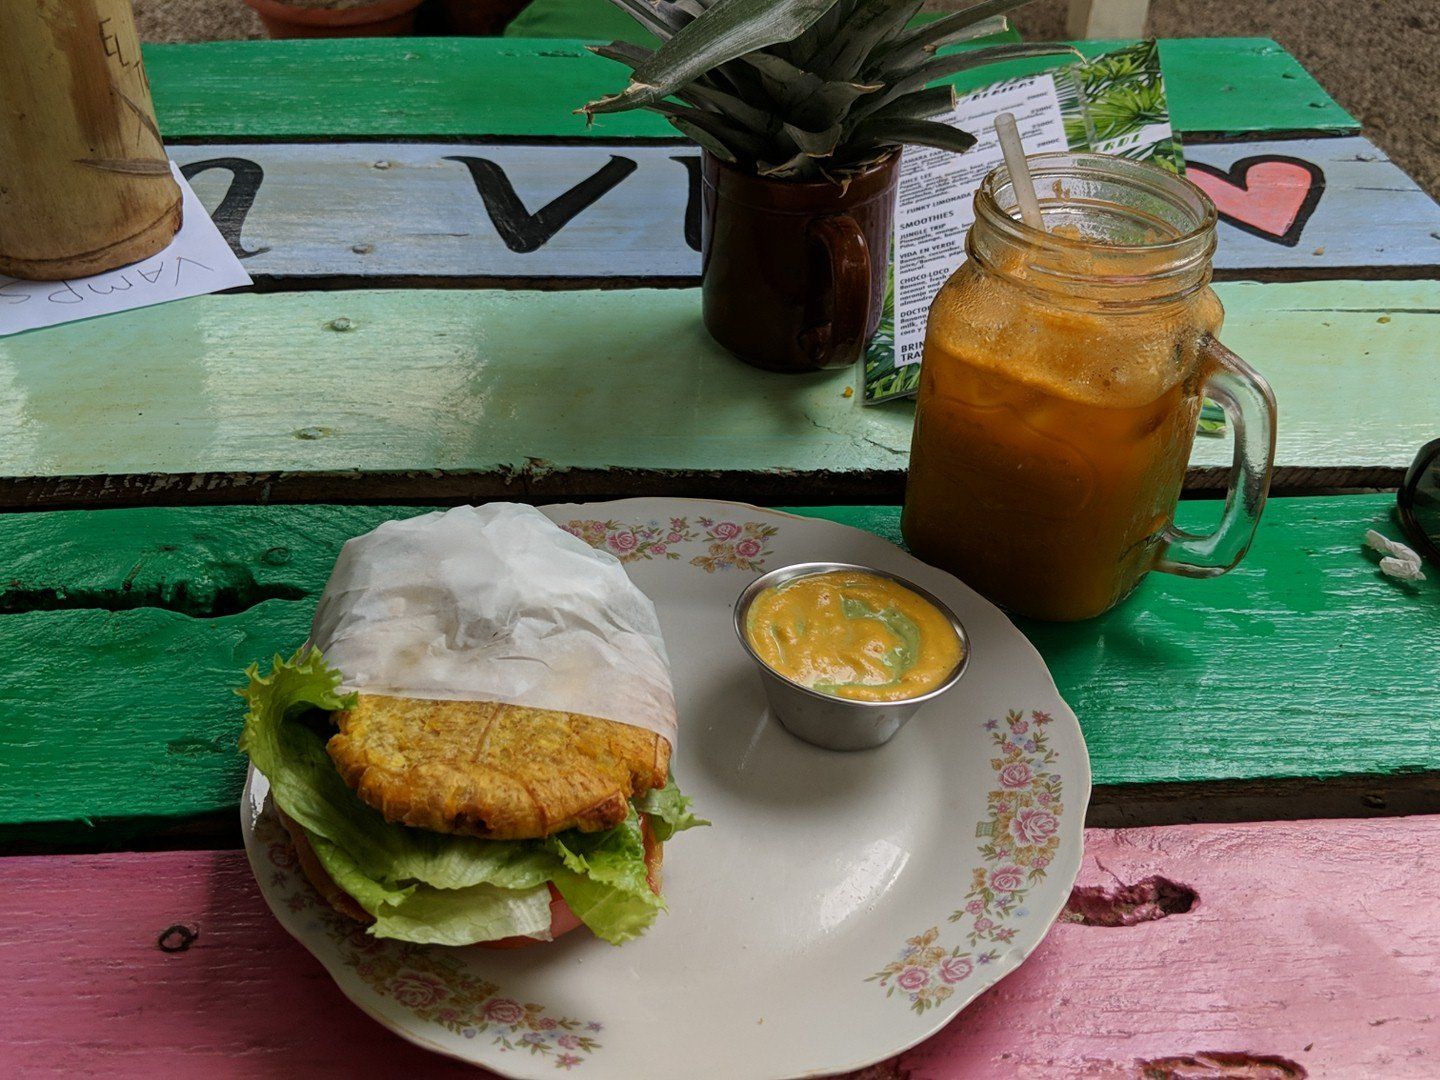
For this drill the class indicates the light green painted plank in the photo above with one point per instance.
(447, 380)
(1352, 364)
(538, 384)
(502, 86)
(1303, 663)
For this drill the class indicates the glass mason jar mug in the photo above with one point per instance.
(1063, 375)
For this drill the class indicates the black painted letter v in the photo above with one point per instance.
(523, 231)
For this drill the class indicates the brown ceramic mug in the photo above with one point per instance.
(793, 273)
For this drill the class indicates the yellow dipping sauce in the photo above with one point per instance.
(853, 635)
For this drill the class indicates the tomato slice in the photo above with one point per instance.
(562, 919)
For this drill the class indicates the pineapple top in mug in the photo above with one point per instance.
(853, 634)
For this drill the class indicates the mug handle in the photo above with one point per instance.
(1249, 406)
(838, 341)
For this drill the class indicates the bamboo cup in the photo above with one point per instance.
(85, 185)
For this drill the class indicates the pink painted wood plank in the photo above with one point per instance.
(87, 991)
(1315, 942)
(1311, 943)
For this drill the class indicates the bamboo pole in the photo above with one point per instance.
(84, 181)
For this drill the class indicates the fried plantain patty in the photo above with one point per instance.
(502, 772)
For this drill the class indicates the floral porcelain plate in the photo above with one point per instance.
(840, 908)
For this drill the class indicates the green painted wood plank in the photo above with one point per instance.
(500, 86)
(118, 719)
(455, 394)
(130, 711)
(566, 19)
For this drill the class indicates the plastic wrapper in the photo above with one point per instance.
(495, 603)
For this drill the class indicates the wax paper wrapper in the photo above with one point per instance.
(495, 603)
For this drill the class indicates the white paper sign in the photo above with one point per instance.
(198, 261)
(935, 204)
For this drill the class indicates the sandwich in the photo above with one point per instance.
(423, 753)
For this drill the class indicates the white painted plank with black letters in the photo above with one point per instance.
(557, 210)
(390, 209)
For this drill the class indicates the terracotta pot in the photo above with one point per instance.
(793, 274)
(479, 18)
(383, 18)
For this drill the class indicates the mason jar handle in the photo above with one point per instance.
(838, 339)
(1249, 406)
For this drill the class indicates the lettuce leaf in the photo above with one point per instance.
(605, 878)
(432, 887)
(669, 810)
(431, 916)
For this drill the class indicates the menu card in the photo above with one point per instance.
(1112, 104)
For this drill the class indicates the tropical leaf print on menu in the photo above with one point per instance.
(1115, 104)
(1125, 109)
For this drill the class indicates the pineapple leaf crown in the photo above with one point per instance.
(804, 89)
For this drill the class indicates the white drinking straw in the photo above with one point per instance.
(1019, 171)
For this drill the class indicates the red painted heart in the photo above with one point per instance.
(1269, 196)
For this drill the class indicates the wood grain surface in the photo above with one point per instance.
(127, 631)
(1305, 946)
(453, 395)
(499, 86)
(1309, 951)
(91, 993)
(493, 211)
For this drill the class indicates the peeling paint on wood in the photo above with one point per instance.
(1311, 950)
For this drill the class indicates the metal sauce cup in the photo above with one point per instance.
(838, 723)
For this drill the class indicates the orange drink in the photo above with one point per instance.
(1062, 380)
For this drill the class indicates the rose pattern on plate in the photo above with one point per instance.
(632, 543)
(430, 982)
(1021, 828)
(729, 545)
(1021, 834)
(925, 972)
(734, 545)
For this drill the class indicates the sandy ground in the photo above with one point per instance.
(1376, 57)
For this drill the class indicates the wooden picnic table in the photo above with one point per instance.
(180, 479)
